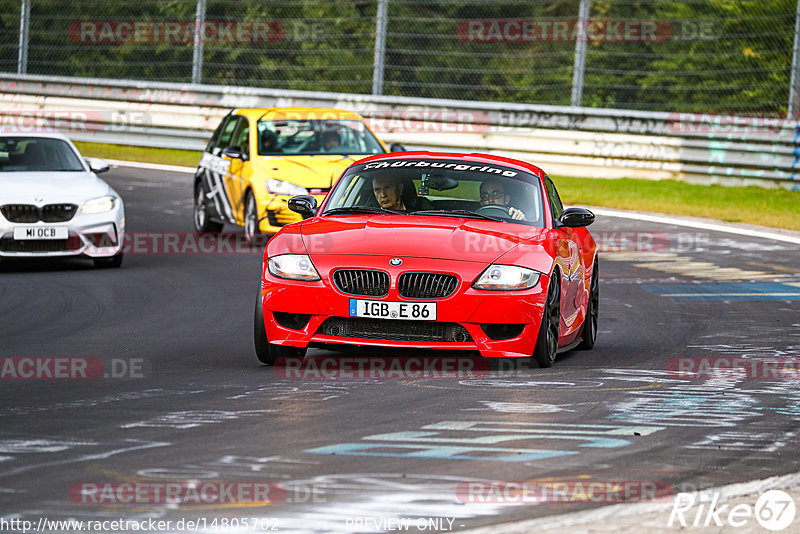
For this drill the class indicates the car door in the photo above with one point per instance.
(215, 167)
(570, 260)
(239, 169)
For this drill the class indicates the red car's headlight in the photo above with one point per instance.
(506, 278)
(293, 267)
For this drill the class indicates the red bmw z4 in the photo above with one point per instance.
(430, 250)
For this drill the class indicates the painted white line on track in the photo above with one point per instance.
(606, 513)
(766, 233)
(151, 166)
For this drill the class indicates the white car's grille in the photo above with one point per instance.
(28, 213)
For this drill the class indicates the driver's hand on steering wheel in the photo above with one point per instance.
(516, 214)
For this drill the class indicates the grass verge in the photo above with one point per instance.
(777, 208)
(165, 156)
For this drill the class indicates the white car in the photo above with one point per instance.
(53, 204)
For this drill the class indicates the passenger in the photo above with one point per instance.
(330, 141)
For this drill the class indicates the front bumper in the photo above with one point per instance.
(497, 323)
(95, 236)
(274, 213)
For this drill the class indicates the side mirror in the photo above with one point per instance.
(396, 147)
(97, 165)
(577, 217)
(235, 152)
(305, 205)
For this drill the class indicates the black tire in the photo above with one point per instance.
(202, 222)
(113, 262)
(266, 352)
(544, 353)
(251, 231)
(589, 334)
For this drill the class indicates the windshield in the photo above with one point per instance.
(440, 188)
(21, 154)
(312, 137)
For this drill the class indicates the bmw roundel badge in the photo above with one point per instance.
(394, 262)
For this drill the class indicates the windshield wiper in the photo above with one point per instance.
(457, 213)
(359, 209)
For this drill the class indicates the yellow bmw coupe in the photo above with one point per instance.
(257, 159)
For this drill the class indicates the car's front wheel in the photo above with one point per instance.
(266, 352)
(202, 222)
(251, 230)
(544, 353)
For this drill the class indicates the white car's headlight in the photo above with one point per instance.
(293, 267)
(507, 278)
(98, 205)
(282, 187)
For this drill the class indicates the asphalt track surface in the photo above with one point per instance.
(366, 454)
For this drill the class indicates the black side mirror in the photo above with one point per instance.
(577, 217)
(235, 152)
(396, 147)
(305, 205)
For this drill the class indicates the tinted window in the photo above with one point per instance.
(226, 133)
(446, 187)
(37, 154)
(302, 136)
(555, 201)
(241, 137)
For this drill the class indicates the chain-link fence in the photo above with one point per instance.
(696, 55)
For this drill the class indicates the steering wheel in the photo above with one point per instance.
(494, 210)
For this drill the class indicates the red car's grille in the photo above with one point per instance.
(28, 213)
(426, 285)
(394, 330)
(362, 282)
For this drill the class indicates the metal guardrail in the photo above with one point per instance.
(570, 141)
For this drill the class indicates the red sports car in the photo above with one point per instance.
(432, 250)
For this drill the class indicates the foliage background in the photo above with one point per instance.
(723, 55)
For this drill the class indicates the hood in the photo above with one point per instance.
(308, 171)
(50, 187)
(419, 236)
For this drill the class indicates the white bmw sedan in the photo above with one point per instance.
(53, 204)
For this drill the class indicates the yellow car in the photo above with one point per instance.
(258, 159)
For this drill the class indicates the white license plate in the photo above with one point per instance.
(382, 309)
(24, 233)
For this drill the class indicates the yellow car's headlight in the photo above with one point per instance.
(282, 187)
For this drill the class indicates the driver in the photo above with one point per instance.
(388, 192)
(493, 193)
(269, 142)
